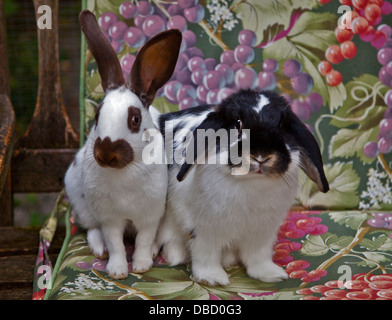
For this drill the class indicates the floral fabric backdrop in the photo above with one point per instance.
(331, 59)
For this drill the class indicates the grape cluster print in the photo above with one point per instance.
(199, 79)
(364, 21)
(361, 287)
(297, 225)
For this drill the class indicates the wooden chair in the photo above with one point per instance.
(34, 163)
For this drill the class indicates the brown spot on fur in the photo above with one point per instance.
(134, 119)
(115, 154)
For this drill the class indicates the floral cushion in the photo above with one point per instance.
(327, 255)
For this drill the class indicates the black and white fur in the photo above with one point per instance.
(218, 217)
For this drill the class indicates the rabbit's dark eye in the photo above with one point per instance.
(134, 119)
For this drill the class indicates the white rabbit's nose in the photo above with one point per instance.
(116, 154)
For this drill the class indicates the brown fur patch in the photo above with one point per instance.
(115, 154)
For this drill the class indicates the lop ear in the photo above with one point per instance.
(301, 138)
(108, 65)
(154, 65)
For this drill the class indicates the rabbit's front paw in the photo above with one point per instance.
(267, 272)
(117, 268)
(141, 265)
(210, 276)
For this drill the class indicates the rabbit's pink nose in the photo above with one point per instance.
(115, 154)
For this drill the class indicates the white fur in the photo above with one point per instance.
(105, 198)
(262, 103)
(230, 217)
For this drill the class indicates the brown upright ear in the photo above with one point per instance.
(154, 65)
(108, 65)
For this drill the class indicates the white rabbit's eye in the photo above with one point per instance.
(134, 119)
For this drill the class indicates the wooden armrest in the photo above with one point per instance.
(7, 127)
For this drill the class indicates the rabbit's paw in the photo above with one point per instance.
(141, 265)
(117, 268)
(267, 272)
(215, 276)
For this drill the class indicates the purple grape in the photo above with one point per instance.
(236, 66)
(127, 62)
(224, 93)
(301, 108)
(127, 10)
(189, 38)
(194, 14)
(186, 91)
(245, 78)
(174, 9)
(171, 90)
(213, 80)
(384, 76)
(384, 56)
(117, 30)
(386, 128)
(270, 65)
(247, 37)
(292, 68)
(315, 101)
(212, 96)
(227, 57)
(194, 51)
(106, 20)
(377, 222)
(184, 76)
(187, 3)
(138, 21)
(182, 62)
(145, 8)
(182, 47)
(153, 25)
(201, 93)
(196, 63)
(117, 45)
(177, 22)
(244, 54)
(370, 149)
(267, 80)
(302, 84)
(389, 68)
(134, 37)
(384, 145)
(385, 29)
(198, 75)
(210, 63)
(388, 98)
(226, 72)
(187, 103)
